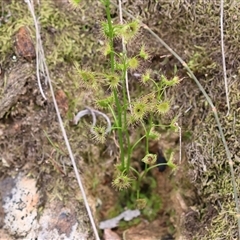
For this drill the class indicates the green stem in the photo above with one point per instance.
(117, 102)
(134, 170)
(137, 142)
(125, 104)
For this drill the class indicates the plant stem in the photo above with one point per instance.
(117, 102)
(125, 128)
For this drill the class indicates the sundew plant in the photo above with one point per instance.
(137, 109)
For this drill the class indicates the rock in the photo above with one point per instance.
(20, 218)
(20, 206)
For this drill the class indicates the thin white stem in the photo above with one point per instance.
(93, 113)
(72, 158)
(94, 120)
(80, 115)
(42, 57)
(223, 57)
(38, 40)
(109, 126)
(125, 54)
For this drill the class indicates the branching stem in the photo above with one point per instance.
(214, 110)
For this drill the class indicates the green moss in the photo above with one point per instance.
(126, 225)
(14, 17)
(200, 62)
(213, 178)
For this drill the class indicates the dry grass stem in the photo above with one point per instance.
(223, 57)
(125, 55)
(40, 55)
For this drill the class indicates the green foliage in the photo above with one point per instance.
(125, 225)
(200, 62)
(149, 201)
(9, 25)
(75, 3)
(147, 103)
(152, 207)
